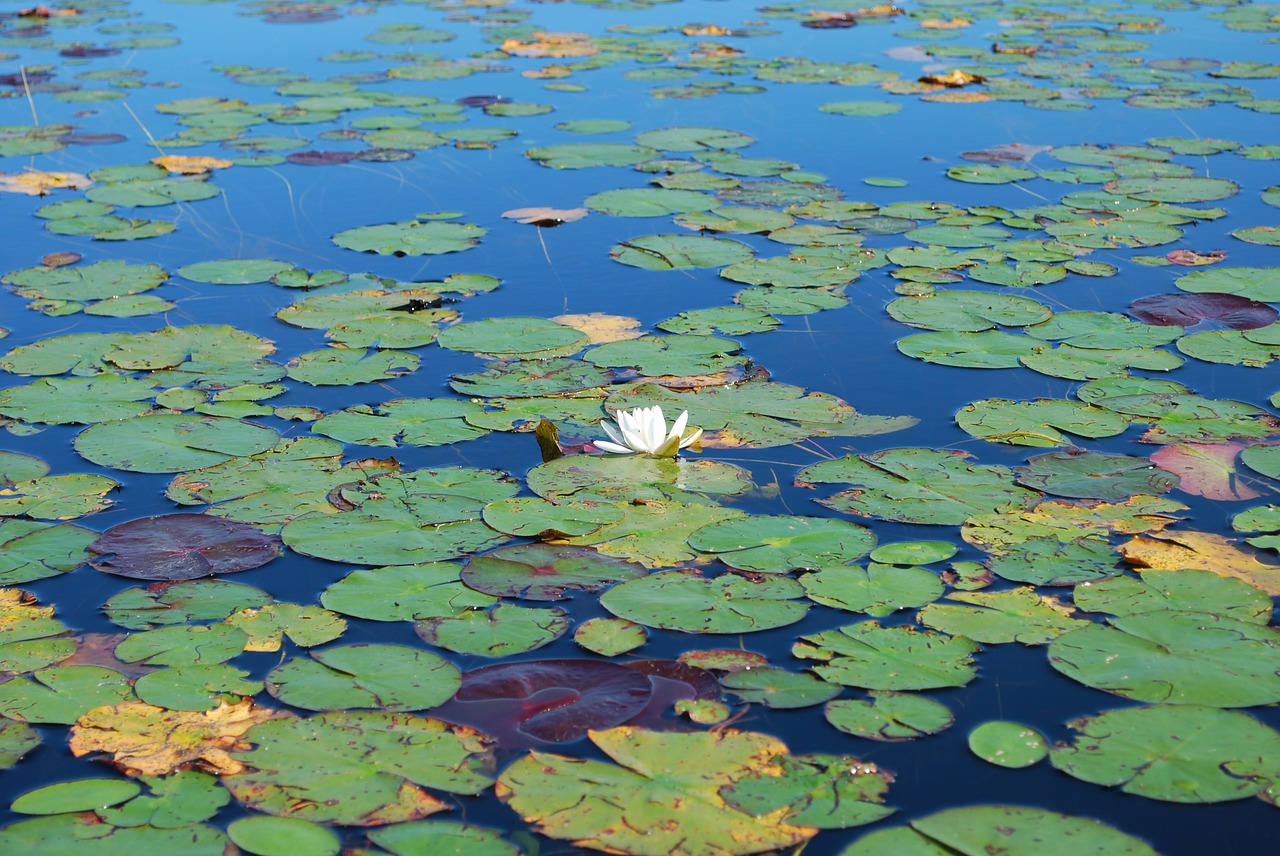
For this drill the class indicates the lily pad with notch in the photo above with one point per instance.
(675, 252)
(384, 677)
(779, 544)
(182, 547)
(1087, 474)
(545, 571)
(687, 601)
(613, 478)
(411, 238)
(500, 631)
(877, 589)
(171, 442)
(1184, 589)
(889, 716)
(404, 593)
(521, 337)
(1014, 615)
(869, 656)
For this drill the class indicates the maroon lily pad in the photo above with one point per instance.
(84, 138)
(672, 681)
(546, 701)
(483, 100)
(546, 571)
(87, 51)
(315, 158)
(182, 547)
(1186, 309)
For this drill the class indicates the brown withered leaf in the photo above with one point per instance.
(56, 260)
(190, 164)
(1191, 257)
(144, 740)
(545, 217)
(706, 30)
(945, 23)
(1171, 551)
(953, 79)
(551, 45)
(99, 649)
(601, 327)
(1026, 50)
(36, 182)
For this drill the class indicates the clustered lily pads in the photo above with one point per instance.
(431, 608)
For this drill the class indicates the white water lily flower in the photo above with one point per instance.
(644, 430)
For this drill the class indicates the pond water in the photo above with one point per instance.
(974, 303)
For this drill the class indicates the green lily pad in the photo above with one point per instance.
(740, 219)
(497, 632)
(521, 337)
(673, 252)
(913, 552)
(403, 422)
(869, 656)
(283, 836)
(171, 442)
(423, 516)
(178, 800)
(649, 202)
(826, 791)
(1086, 474)
(531, 378)
(15, 467)
(654, 533)
(729, 320)
(918, 486)
(386, 677)
(1051, 561)
(1181, 753)
(147, 193)
(534, 517)
(404, 593)
(970, 311)
(33, 551)
(234, 271)
(545, 571)
(1016, 615)
(802, 271)
(59, 695)
(977, 830)
(877, 590)
(889, 716)
(694, 139)
(1256, 283)
(613, 478)
(404, 318)
(1039, 422)
(76, 795)
(687, 601)
(441, 836)
(987, 349)
(1008, 744)
(1230, 347)
(347, 366)
(16, 740)
(1187, 590)
(306, 626)
(57, 497)
(361, 769)
(860, 108)
(610, 637)
(182, 645)
(680, 355)
(582, 155)
(165, 604)
(411, 238)
(779, 688)
(195, 686)
(655, 777)
(99, 281)
(1175, 657)
(1174, 188)
(783, 543)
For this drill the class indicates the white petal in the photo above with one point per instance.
(612, 431)
(677, 429)
(690, 438)
(655, 428)
(606, 446)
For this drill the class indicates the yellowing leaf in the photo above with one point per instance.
(36, 182)
(952, 79)
(707, 30)
(551, 45)
(190, 164)
(145, 740)
(601, 327)
(546, 216)
(945, 23)
(1171, 551)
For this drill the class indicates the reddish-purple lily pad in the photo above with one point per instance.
(1185, 309)
(315, 158)
(546, 571)
(182, 547)
(672, 681)
(547, 701)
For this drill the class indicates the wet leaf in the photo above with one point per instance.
(1206, 470)
(1186, 590)
(195, 686)
(498, 632)
(356, 769)
(1015, 615)
(655, 777)
(182, 547)
(1051, 561)
(16, 740)
(687, 601)
(826, 791)
(182, 645)
(1086, 474)
(889, 716)
(404, 593)
(548, 701)
(1039, 422)
(918, 486)
(523, 337)
(877, 590)
(85, 833)
(171, 442)
(545, 571)
(1179, 753)
(275, 836)
(306, 626)
(234, 271)
(411, 238)
(783, 543)
(869, 656)
(970, 311)
(403, 422)
(672, 252)
(441, 836)
(57, 497)
(386, 677)
(1230, 310)
(1175, 657)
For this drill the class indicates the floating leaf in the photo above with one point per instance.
(347, 366)
(918, 486)
(889, 716)
(781, 544)
(16, 740)
(778, 688)
(357, 769)
(1204, 550)
(649, 202)
(497, 632)
(162, 604)
(534, 517)
(826, 791)
(1206, 470)
(869, 656)
(673, 252)
(514, 337)
(387, 677)
(1085, 474)
(1230, 310)
(271, 836)
(1016, 615)
(411, 238)
(1186, 590)
(195, 686)
(60, 694)
(877, 590)
(1050, 561)
(545, 571)
(405, 421)
(171, 442)
(548, 701)
(234, 271)
(1175, 657)
(687, 601)
(629, 805)
(182, 547)
(306, 626)
(1180, 753)
(440, 836)
(184, 644)
(970, 311)
(1039, 422)
(57, 497)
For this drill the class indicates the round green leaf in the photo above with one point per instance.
(869, 656)
(513, 337)
(778, 688)
(76, 795)
(545, 571)
(411, 238)
(234, 271)
(1008, 744)
(497, 632)
(889, 716)
(387, 677)
(877, 590)
(783, 543)
(672, 252)
(171, 442)
(283, 836)
(687, 601)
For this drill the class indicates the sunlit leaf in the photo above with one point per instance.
(386, 677)
(869, 656)
(687, 601)
(497, 632)
(889, 716)
(1204, 550)
(1186, 589)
